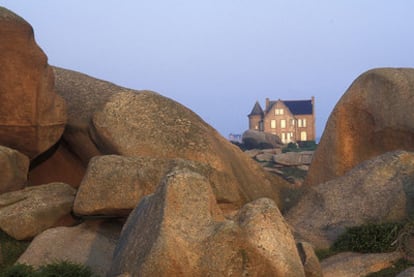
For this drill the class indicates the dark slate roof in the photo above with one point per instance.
(257, 109)
(299, 106)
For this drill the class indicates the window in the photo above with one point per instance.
(304, 122)
(273, 124)
(279, 111)
(283, 137)
(299, 122)
(292, 122)
(303, 136)
(283, 123)
(289, 137)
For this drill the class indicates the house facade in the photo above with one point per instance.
(291, 120)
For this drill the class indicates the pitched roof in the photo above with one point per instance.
(257, 109)
(299, 106)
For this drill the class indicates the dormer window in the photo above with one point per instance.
(279, 111)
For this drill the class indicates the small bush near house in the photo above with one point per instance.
(300, 146)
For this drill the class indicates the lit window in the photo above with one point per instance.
(273, 124)
(283, 137)
(303, 136)
(279, 111)
(299, 122)
(283, 123)
(304, 122)
(292, 122)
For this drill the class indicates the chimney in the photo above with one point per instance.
(267, 104)
(313, 104)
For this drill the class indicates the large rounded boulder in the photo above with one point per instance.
(260, 140)
(377, 190)
(32, 116)
(84, 96)
(374, 116)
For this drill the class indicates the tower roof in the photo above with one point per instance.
(257, 109)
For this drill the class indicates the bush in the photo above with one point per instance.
(370, 238)
(307, 145)
(18, 270)
(10, 249)
(58, 269)
(290, 147)
(64, 269)
(376, 238)
(300, 146)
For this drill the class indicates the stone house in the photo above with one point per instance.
(291, 120)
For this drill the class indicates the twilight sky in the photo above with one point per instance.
(218, 57)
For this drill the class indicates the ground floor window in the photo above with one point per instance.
(303, 136)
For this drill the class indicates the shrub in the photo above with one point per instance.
(369, 238)
(10, 249)
(307, 145)
(290, 147)
(18, 270)
(376, 238)
(64, 269)
(58, 269)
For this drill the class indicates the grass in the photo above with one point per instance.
(58, 269)
(373, 238)
(369, 238)
(10, 250)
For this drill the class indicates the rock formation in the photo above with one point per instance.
(34, 124)
(374, 116)
(28, 212)
(409, 272)
(294, 158)
(180, 231)
(13, 169)
(90, 244)
(309, 259)
(377, 190)
(84, 96)
(260, 140)
(356, 264)
(113, 185)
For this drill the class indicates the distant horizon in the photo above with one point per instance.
(218, 57)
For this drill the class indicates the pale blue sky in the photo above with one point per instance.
(218, 57)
